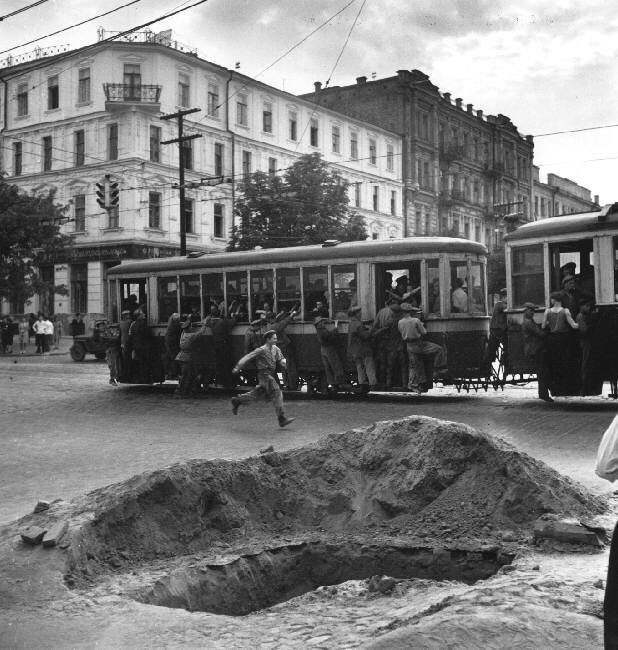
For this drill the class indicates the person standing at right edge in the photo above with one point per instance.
(607, 468)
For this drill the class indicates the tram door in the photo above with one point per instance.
(398, 280)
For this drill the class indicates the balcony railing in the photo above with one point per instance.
(147, 94)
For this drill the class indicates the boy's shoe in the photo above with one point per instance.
(235, 405)
(283, 421)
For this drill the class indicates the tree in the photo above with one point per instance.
(308, 205)
(29, 237)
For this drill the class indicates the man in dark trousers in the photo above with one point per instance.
(361, 350)
(279, 324)
(268, 359)
(497, 332)
(534, 349)
(222, 327)
(329, 351)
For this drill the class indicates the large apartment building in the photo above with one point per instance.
(464, 173)
(71, 118)
(559, 196)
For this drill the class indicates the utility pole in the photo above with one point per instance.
(181, 139)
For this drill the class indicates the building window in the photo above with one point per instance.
(132, 79)
(187, 154)
(112, 142)
(376, 198)
(154, 210)
(79, 212)
(293, 125)
(336, 139)
(242, 110)
(47, 153)
(246, 163)
(393, 202)
(390, 158)
(17, 154)
(79, 288)
(357, 195)
(213, 100)
(373, 152)
(22, 99)
(354, 145)
(423, 125)
(155, 144)
(219, 221)
(184, 89)
(83, 85)
(272, 166)
(79, 148)
(427, 222)
(267, 118)
(313, 132)
(53, 93)
(113, 217)
(189, 221)
(218, 159)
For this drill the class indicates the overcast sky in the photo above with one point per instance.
(550, 65)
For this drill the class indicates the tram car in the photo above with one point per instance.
(312, 280)
(577, 255)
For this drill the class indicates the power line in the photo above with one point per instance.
(588, 128)
(18, 11)
(345, 43)
(65, 29)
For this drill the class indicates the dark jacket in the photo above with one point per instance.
(359, 338)
(533, 337)
(326, 337)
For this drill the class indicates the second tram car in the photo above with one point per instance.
(326, 279)
(576, 254)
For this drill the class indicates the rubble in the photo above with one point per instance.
(33, 535)
(55, 533)
(565, 531)
(41, 506)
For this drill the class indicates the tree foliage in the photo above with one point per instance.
(29, 237)
(307, 205)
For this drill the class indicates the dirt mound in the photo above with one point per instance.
(417, 476)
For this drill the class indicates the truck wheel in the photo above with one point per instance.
(78, 352)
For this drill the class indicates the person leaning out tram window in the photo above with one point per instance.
(562, 352)
(534, 349)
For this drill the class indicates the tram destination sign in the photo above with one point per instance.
(116, 252)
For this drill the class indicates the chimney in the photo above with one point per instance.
(479, 114)
(596, 199)
(361, 80)
(469, 108)
(404, 75)
(458, 102)
(318, 86)
(447, 97)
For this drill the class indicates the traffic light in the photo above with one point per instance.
(114, 194)
(102, 192)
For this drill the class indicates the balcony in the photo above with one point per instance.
(119, 95)
(450, 153)
(449, 197)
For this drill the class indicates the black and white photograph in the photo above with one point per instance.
(308, 324)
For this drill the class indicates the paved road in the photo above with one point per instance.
(66, 431)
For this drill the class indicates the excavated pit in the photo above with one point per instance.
(274, 575)
(413, 498)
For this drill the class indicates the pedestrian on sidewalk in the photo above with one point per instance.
(268, 359)
(57, 323)
(23, 330)
(39, 334)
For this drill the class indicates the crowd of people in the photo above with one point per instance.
(45, 331)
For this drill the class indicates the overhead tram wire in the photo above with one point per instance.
(588, 128)
(18, 11)
(345, 43)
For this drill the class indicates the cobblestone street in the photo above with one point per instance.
(66, 431)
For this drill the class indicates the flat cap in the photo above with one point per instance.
(529, 305)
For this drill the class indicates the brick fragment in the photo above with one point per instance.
(564, 531)
(33, 535)
(55, 533)
(41, 506)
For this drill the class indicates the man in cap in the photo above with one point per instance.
(268, 359)
(125, 348)
(389, 350)
(534, 349)
(329, 351)
(421, 353)
(221, 327)
(361, 350)
(497, 333)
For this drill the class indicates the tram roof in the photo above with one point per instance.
(584, 222)
(344, 250)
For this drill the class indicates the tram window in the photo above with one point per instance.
(344, 289)
(167, 295)
(459, 287)
(212, 291)
(262, 295)
(527, 277)
(133, 295)
(476, 290)
(400, 282)
(288, 289)
(433, 287)
(315, 291)
(572, 258)
(190, 294)
(236, 295)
